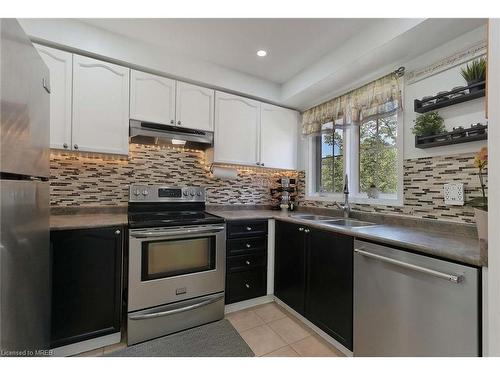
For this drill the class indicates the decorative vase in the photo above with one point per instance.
(481, 223)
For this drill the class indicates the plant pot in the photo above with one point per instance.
(481, 224)
(476, 88)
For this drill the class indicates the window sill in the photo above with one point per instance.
(395, 202)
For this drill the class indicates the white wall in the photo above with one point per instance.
(493, 303)
(462, 114)
(84, 38)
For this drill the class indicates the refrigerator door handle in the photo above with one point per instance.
(46, 85)
(453, 278)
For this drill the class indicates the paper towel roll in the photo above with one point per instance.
(224, 173)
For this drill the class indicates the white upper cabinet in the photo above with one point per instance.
(100, 106)
(237, 123)
(278, 137)
(60, 64)
(194, 107)
(152, 98)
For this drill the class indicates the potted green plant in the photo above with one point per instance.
(428, 124)
(475, 72)
(480, 204)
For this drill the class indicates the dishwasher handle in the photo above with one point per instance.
(453, 278)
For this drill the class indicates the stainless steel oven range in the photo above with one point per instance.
(176, 261)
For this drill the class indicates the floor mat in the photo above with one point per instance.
(218, 339)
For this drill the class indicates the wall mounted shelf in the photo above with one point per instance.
(443, 100)
(476, 133)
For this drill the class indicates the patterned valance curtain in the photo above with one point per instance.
(379, 97)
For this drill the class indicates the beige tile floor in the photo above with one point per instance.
(270, 331)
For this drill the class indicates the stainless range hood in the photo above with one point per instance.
(178, 136)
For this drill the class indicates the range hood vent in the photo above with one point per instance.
(177, 136)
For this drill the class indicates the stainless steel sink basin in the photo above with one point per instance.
(312, 217)
(352, 223)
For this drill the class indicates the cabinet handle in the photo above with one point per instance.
(248, 286)
(117, 231)
(75, 146)
(247, 262)
(301, 229)
(179, 122)
(65, 145)
(248, 228)
(306, 230)
(248, 246)
(171, 121)
(262, 164)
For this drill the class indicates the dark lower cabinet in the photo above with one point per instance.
(329, 294)
(86, 283)
(314, 276)
(290, 265)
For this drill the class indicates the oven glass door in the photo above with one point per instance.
(174, 257)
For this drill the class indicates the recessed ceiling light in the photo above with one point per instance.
(261, 53)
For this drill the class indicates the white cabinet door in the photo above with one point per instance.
(152, 98)
(236, 136)
(278, 137)
(194, 107)
(100, 106)
(60, 64)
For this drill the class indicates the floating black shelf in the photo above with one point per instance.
(475, 133)
(436, 102)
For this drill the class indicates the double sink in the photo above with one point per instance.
(336, 222)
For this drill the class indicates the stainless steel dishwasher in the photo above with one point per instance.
(413, 305)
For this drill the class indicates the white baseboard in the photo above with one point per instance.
(320, 332)
(87, 345)
(248, 303)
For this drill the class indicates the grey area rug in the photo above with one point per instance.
(218, 339)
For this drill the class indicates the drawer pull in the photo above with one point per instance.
(247, 262)
(248, 228)
(301, 229)
(248, 286)
(248, 246)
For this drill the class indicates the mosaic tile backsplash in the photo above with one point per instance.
(85, 180)
(423, 189)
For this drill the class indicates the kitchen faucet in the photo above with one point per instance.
(346, 208)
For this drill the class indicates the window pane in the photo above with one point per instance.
(378, 155)
(331, 167)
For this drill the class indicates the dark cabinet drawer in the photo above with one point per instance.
(244, 228)
(246, 262)
(245, 285)
(246, 245)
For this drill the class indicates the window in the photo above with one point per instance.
(378, 154)
(330, 163)
(369, 154)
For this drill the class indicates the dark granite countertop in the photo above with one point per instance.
(422, 236)
(64, 218)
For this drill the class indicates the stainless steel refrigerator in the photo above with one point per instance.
(24, 189)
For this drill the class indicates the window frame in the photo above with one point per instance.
(351, 168)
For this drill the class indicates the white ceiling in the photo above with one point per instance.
(292, 44)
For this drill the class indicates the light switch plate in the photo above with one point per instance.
(454, 194)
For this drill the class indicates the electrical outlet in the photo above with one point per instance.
(453, 194)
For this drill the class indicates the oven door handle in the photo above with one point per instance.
(177, 311)
(177, 232)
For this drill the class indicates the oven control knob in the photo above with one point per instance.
(185, 193)
(137, 192)
(191, 193)
(198, 193)
(145, 192)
